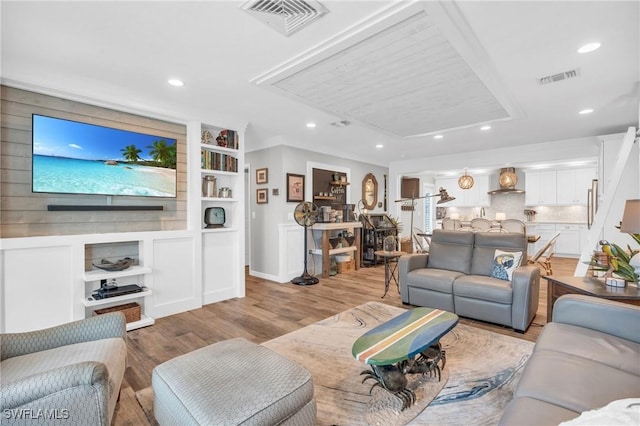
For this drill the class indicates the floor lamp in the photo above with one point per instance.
(444, 198)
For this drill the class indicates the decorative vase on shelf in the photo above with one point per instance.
(209, 186)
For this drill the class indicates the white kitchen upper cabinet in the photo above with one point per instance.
(573, 185)
(540, 188)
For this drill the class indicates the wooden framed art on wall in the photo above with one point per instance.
(262, 196)
(262, 175)
(295, 188)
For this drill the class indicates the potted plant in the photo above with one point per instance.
(617, 262)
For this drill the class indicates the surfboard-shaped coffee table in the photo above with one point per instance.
(406, 344)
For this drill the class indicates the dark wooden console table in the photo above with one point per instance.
(588, 286)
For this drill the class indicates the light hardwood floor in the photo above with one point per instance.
(270, 310)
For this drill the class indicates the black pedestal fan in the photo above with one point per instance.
(305, 214)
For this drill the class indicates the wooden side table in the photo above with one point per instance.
(325, 249)
(390, 267)
(589, 286)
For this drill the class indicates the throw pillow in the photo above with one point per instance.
(504, 263)
(620, 412)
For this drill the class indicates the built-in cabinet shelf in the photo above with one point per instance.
(217, 154)
(221, 160)
(220, 200)
(89, 303)
(92, 279)
(99, 274)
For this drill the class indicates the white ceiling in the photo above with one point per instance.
(459, 65)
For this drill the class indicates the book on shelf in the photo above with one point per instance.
(226, 138)
(217, 161)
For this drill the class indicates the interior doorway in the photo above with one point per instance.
(247, 215)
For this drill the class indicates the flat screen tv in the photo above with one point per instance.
(71, 157)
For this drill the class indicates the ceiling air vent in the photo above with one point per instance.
(341, 123)
(559, 77)
(285, 16)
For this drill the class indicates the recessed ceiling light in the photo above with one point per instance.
(590, 47)
(438, 137)
(311, 125)
(379, 145)
(175, 82)
(484, 128)
(586, 111)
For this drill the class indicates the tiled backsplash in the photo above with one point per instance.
(512, 205)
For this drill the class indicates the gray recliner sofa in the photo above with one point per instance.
(456, 276)
(585, 359)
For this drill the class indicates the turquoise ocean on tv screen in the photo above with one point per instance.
(68, 175)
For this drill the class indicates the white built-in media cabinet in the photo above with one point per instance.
(48, 280)
(132, 275)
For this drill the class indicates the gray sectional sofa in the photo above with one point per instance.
(586, 358)
(456, 275)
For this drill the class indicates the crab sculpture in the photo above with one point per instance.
(393, 377)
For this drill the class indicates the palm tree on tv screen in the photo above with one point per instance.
(163, 153)
(130, 152)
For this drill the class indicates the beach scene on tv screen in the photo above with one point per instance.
(79, 158)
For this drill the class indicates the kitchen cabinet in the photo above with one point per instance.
(573, 184)
(568, 242)
(476, 196)
(541, 188)
(546, 232)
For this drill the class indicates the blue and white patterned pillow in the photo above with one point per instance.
(504, 263)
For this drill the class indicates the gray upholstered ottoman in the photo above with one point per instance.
(233, 382)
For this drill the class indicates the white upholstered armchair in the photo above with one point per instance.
(69, 374)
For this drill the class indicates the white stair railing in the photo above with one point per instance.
(593, 234)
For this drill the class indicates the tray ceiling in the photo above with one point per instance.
(403, 76)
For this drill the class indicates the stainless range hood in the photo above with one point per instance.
(507, 181)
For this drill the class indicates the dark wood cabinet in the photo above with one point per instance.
(375, 228)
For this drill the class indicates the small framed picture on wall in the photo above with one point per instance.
(262, 196)
(295, 188)
(262, 175)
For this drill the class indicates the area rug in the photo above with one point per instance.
(324, 348)
(482, 369)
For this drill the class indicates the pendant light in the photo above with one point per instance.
(465, 181)
(508, 177)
